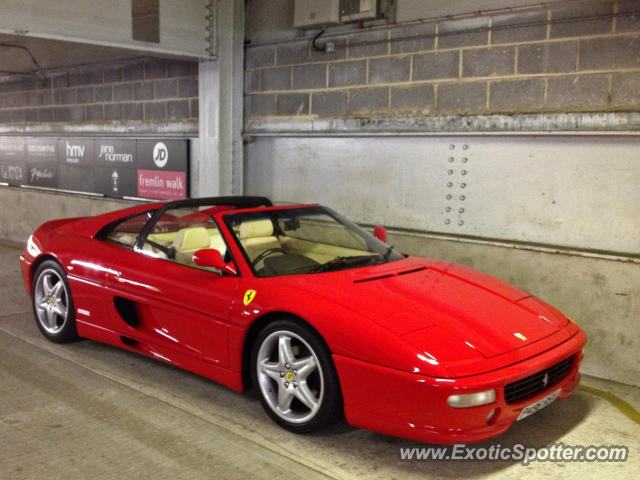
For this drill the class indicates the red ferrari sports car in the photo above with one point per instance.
(321, 317)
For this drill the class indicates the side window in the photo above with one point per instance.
(180, 233)
(126, 232)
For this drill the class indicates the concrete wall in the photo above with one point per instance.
(560, 68)
(142, 96)
(25, 210)
(545, 190)
(527, 209)
(149, 92)
(581, 57)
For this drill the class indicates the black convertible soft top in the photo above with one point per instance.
(233, 201)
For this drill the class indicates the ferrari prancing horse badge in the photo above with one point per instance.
(249, 295)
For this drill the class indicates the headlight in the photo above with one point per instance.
(467, 400)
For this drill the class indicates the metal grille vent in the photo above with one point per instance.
(538, 382)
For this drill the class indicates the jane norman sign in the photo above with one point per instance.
(156, 169)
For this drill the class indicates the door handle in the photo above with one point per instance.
(133, 283)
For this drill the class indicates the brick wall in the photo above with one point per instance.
(585, 57)
(151, 91)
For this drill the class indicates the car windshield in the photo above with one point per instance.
(304, 240)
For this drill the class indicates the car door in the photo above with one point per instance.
(169, 302)
(91, 264)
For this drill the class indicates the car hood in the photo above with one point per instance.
(471, 312)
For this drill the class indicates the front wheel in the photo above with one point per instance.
(52, 303)
(297, 382)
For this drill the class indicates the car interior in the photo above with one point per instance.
(177, 238)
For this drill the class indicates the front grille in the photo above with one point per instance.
(533, 384)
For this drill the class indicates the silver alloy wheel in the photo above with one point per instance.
(51, 301)
(290, 377)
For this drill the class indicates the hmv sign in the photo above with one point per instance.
(115, 167)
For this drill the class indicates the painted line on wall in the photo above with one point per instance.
(544, 248)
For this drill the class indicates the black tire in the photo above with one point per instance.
(321, 384)
(52, 303)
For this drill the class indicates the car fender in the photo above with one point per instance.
(346, 333)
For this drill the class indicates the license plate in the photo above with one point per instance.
(539, 405)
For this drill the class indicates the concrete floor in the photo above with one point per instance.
(87, 410)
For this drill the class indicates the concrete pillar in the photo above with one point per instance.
(217, 165)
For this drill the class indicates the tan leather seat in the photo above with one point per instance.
(216, 241)
(124, 238)
(256, 236)
(188, 241)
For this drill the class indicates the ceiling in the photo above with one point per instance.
(21, 54)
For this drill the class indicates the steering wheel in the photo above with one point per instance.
(170, 252)
(266, 253)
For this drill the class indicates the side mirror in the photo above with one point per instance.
(210, 257)
(380, 233)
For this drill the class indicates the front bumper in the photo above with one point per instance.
(414, 406)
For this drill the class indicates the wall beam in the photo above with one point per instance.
(218, 166)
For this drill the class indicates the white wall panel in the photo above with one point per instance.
(572, 191)
(108, 22)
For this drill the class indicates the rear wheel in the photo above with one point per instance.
(297, 382)
(53, 304)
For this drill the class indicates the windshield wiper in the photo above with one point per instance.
(342, 262)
